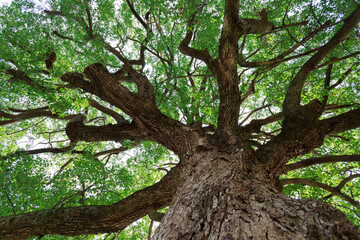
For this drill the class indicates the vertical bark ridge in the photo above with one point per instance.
(227, 73)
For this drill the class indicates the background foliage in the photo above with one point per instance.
(184, 88)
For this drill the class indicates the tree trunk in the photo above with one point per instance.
(223, 199)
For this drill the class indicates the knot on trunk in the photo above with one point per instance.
(74, 78)
(73, 125)
(255, 26)
(97, 73)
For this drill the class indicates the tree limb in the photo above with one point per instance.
(192, 52)
(281, 58)
(321, 160)
(255, 125)
(76, 130)
(308, 182)
(227, 76)
(334, 60)
(29, 114)
(73, 221)
(20, 75)
(150, 123)
(342, 184)
(293, 95)
(132, 9)
(342, 78)
(119, 119)
(341, 123)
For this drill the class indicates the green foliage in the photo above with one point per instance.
(185, 90)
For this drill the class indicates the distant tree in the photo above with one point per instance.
(241, 117)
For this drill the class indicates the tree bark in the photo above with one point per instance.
(222, 198)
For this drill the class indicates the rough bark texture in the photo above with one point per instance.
(222, 188)
(222, 200)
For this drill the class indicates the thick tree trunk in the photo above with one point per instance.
(220, 199)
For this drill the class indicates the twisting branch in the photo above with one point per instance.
(308, 182)
(144, 112)
(321, 160)
(293, 95)
(184, 45)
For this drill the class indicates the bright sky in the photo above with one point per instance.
(2, 2)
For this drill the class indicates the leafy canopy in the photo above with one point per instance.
(38, 169)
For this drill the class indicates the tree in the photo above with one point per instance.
(241, 118)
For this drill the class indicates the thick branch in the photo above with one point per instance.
(343, 122)
(227, 75)
(78, 131)
(93, 219)
(293, 95)
(308, 182)
(150, 123)
(346, 180)
(54, 13)
(321, 160)
(56, 33)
